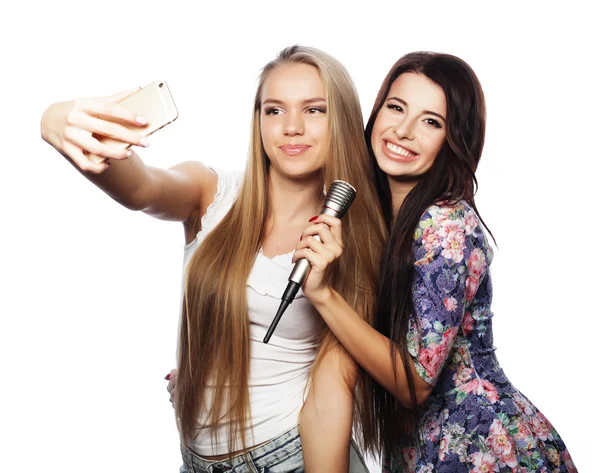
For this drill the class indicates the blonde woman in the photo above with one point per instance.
(241, 403)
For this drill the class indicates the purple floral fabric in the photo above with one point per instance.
(475, 420)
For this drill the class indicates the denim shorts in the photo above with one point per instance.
(280, 455)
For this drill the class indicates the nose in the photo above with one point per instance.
(405, 128)
(293, 124)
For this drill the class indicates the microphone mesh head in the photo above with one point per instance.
(340, 196)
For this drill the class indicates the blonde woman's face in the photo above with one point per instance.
(410, 128)
(294, 124)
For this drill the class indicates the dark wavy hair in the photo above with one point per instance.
(450, 178)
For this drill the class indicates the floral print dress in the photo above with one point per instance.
(475, 420)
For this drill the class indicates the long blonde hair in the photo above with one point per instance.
(215, 329)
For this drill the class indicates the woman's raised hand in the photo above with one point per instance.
(320, 254)
(71, 127)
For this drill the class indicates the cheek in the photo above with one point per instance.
(375, 134)
(266, 133)
(432, 144)
(439, 144)
(319, 133)
(378, 128)
(321, 130)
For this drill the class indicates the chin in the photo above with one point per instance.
(298, 172)
(392, 168)
(398, 169)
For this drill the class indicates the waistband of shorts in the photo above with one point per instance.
(271, 452)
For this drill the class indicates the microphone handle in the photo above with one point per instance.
(296, 279)
(302, 267)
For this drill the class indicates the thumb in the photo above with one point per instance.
(120, 95)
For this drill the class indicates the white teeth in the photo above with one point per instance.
(398, 150)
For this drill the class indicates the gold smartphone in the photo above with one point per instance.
(155, 103)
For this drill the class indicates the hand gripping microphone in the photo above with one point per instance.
(337, 202)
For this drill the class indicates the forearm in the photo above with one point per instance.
(325, 439)
(369, 348)
(168, 194)
(129, 182)
(326, 418)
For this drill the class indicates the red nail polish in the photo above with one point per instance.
(168, 377)
(314, 218)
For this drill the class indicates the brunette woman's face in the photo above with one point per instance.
(410, 128)
(294, 125)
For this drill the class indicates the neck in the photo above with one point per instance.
(294, 200)
(399, 189)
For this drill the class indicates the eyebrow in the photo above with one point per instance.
(427, 112)
(304, 102)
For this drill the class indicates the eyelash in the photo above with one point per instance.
(395, 107)
(430, 121)
(433, 122)
(312, 110)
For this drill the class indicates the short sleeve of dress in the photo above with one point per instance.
(449, 264)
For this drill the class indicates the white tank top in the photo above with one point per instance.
(278, 370)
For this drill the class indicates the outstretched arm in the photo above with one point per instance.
(72, 129)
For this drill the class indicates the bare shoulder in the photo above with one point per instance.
(201, 177)
(203, 183)
(178, 193)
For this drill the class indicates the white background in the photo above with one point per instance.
(90, 291)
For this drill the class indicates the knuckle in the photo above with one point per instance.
(98, 149)
(79, 103)
(72, 116)
(106, 108)
(68, 134)
(110, 130)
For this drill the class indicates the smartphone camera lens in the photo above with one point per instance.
(161, 84)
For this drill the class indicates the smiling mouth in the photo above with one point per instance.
(294, 150)
(399, 150)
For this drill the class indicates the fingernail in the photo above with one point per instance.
(314, 218)
(141, 120)
(168, 377)
(129, 154)
(145, 142)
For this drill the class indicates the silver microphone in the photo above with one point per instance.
(337, 202)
